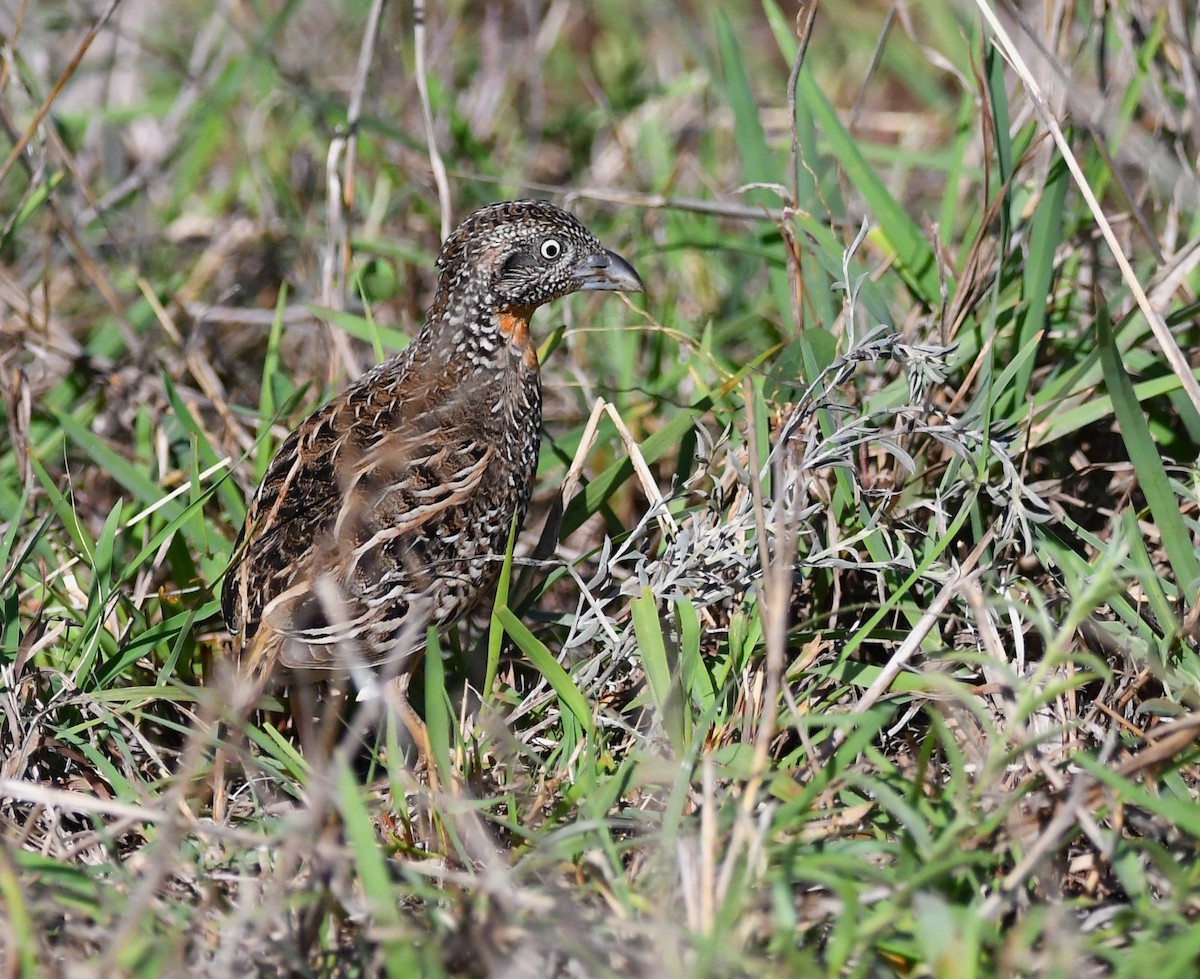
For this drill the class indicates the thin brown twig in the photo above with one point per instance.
(804, 30)
(435, 157)
(876, 59)
(11, 41)
(774, 604)
(366, 53)
(339, 190)
(72, 66)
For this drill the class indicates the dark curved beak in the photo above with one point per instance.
(607, 271)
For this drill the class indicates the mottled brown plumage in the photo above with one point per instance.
(389, 508)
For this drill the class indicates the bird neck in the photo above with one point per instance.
(513, 325)
(470, 330)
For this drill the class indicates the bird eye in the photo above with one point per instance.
(551, 249)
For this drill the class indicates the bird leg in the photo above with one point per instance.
(396, 692)
(317, 724)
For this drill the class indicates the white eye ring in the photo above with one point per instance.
(551, 249)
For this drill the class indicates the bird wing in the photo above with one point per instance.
(356, 520)
(292, 507)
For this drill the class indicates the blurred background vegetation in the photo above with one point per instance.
(881, 660)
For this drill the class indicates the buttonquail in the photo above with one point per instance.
(389, 509)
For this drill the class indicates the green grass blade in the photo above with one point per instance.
(1045, 235)
(698, 683)
(374, 876)
(116, 465)
(545, 663)
(495, 629)
(899, 233)
(437, 705)
(1143, 453)
(385, 338)
(758, 163)
(661, 675)
(19, 924)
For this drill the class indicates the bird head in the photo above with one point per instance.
(517, 255)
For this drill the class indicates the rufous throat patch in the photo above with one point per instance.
(514, 326)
